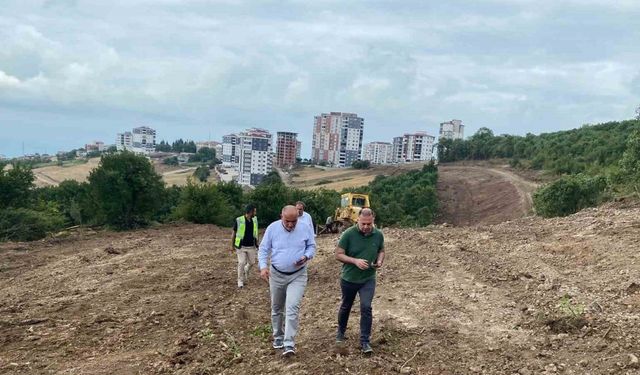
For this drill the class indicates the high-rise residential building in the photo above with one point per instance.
(378, 152)
(142, 140)
(230, 150)
(413, 147)
(397, 151)
(255, 156)
(124, 141)
(298, 149)
(286, 149)
(337, 138)
(452, 129)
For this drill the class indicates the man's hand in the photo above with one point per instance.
(303, 259)
(361, 263)
(264, 274)
(377, 264)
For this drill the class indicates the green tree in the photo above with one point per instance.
(163, 146)
(16, 185)
(202, 173)
(271, 178)
(630, 162)
(204, 155)
(126, 190)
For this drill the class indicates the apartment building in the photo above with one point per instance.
(286, 149)
(413, 147)
(255, 156)
(378, 152)
(452, 129)
(337, 138)
(230, 150)
(141, 140)
(95, 146)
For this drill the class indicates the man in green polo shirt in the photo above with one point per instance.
(361, 250)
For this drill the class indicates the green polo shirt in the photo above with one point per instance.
(357, 245)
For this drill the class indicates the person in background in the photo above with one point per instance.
(245, 242)
(303, 217)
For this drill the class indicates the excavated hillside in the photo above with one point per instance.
(489, 290)
(529, 296)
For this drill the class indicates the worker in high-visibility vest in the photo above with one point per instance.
(245, 242)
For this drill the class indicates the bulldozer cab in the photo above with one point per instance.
(355, 200)
(347, 214)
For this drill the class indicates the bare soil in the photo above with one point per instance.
(474, 195)
(54, 175)
(340, 178)
(531, 296)
(526, 296)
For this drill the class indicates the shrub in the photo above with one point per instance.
(23, 224)
(568, 195)
(361, 164)
(172, 160)
(204, 204)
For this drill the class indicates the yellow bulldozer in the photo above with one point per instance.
(347, 214)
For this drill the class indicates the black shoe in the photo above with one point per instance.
(340, 339)
(366, 349)
(278, 344)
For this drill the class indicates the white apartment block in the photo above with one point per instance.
(413, 147)
(378, 152)
(142, 140)
(255, 156)
(452, 129)
(337, 138)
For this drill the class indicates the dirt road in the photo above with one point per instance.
(530, 296)
(473, 195)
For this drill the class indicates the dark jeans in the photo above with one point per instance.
(349, 291)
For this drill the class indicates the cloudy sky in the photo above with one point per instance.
(73, 71)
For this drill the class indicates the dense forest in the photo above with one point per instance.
(590, 149)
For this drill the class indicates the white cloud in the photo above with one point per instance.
(8, 81)
(409, 64)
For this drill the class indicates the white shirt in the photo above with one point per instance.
(305, 219)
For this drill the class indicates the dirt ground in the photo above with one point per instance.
(340, 178)
(472, 195)
(54, 175)
(530, 296)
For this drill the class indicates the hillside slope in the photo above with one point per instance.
(485, 299)
(475, 194)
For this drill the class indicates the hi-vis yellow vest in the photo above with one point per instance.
(241, 228)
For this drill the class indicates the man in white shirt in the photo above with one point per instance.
(303, 217)
(288, 247)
